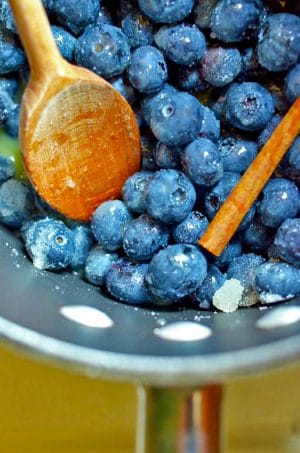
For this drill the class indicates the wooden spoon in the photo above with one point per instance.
(78, 135)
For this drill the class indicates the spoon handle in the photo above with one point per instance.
(36, 36)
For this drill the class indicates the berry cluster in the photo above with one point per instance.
(209, 81)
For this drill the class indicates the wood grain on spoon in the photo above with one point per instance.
(78, 135)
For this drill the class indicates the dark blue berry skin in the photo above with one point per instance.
(103, 49)
(49, 244)
(191, 229)
(98, 264)
(292, 84)
(268, 130)
(138, 29)
(126, 282)
(237, 154)
(189, 78)
(278, 47)
(75, 15)
(7, 106)
(148, 143)
(202, 162)
(108, 223)
(232, 250)
(124, 88)
(9, 85)
(291, 161)
(16, 203)
(104, 16)
(235, 20)
(165, 11)
(212, 282)
(148, 70)
(220, 66)
(143, 237)
(6, 17)
(202, 12)
(177, 119)
(11, 125)
(64, 41)
(281, 200)
(83, 240)
(287, 241)
(183, 44)
(166, 156)
(7, 169)
(169, 196)
(176, 271)
(251, 69)
(151, 103)
(275, 282)
(210, 126)
(257, 237)
(249, 106)
(133, 191)
(12, 58)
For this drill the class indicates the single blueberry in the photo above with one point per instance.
(103, 49)
(189, 78)
(143, 237)
(7, 168)
(83, 240)
(220, 66)
(184, 44)
(202, 162)
(237, 154)
(232, 250)
(126, 282)
(257, 237)
(292, 84)
(7, 107)
(133, 191)
(275, 282)
(249, 106)
(166, 11)
(16, 203)
(147, 71)
(49, 244)
(75, 15)
(151, 103)
(104, 16)
(169, 196)
(138, 29)
(97, 265)
(280, 200)
(278, 45)
(108, 223)
(266, 133)
(11, 125)
(218, 194)
(191, 229)
(10, 85)
(210, 126)
(177, 119)
(7, 20)
(166, 156)
(64, 41)
(287, 241)
(291, 161)
(176, 271)
(202, 12)
(12, 58)
(212, 282)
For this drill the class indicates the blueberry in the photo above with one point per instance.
(148, 143)
(243, 268)
(7, 168)
(16, 203)
(275, 87)
(218, 194)
(176, 271)
(166, 156)
(257, 237)
(292, 84)
(11, 125)
(12, 57)
(108, 223)
(232, 250)
(189, 78)
(9, 85)
(83, 240)
(220, 66)
(126, 282)
(7, 106)
(210, 126)
(147, 71)
(275, 282)
(251, 69)
(281, 200)
(98, 264)
(64, 41)
(202, 162)
(268, 130)
(184, 44)
(235, 20)
(49, 244)
(291, 161)
(124, 88)
(7, 20)
(103, 49)
(151, 103)
(237, 154)
(169, 196)
(279, 37)
(166, 11)
(133, 191)
(249, 106)
(75, 15)
(191, 229)
(104, 16)
(202, 12)
(143, 237)
(138, 29)
(287, 241)
(177, 118)
(212, 282)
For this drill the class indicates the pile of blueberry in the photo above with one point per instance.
(208, 80)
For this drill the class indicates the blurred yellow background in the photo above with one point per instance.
(44, 409)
